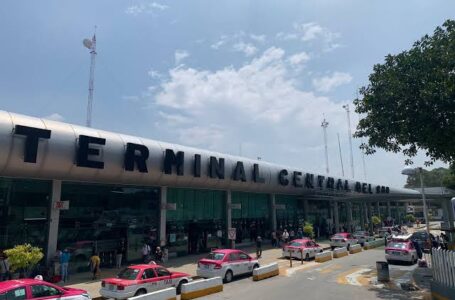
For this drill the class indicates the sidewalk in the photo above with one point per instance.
(186, 264)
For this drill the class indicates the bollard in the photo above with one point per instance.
(382, 269)
(290, 258)
(301, 256)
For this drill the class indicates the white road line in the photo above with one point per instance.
(352, 278)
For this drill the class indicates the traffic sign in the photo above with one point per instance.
(232, 233)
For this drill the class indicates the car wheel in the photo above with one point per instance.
(320, 250)
(307, 257)
(179, 287)
(140, 292)
(332, 248)
(228, 276)
(348, 247)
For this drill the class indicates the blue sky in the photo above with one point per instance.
(249, 77)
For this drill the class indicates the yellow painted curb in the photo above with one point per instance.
(438, 296)
(266, 275)
(323, 259)
(352, 251)
(173, 298)
(338, 255)
(201, 293)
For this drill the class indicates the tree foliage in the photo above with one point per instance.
(409, 103)
(375, 220)
(308, 230)
(24, 257)
(410, 218)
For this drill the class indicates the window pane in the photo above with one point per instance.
(44, 291)
(162, 272)
(17, 294)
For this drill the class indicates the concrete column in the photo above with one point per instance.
(449, 218)
(272, 212)
(370, 214)
(163, 212)
(305, 209)
(54, 218)
(349, 220)
(230, 243)
(336, 217)
(365, 214)
(389, 211)
(378, 209)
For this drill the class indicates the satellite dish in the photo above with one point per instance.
(87, 43)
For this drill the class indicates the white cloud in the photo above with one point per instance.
(217, 44)
(174, 119)
(131, 98)
(154, 74)
(327, 83)
(55, 117)
(309, 31)
(299, 58)
(150, 7)
(258, 38)
(180, 55)
(286, 36)
(246, 48)
(207, 136)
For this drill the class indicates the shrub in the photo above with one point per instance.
(308, 230)
(375, 220)
(410, 218)
(24, 257)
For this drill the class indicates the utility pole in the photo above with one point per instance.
(346, 107)
(91, 45)
(341, 157)
(324, 125)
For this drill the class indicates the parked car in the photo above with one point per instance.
(342, 239)
(22, 289)
(362, 237)
(385, 231)
(399, 250)
(142, 279)
(299, 248)
(226, 263)
(422, 238)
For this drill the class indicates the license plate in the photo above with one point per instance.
(206, 267)
(396, 253)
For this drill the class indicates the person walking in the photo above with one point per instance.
(119, 255)
(4, 268)
(64, 263)
(291, 234)
(285, 236)
(158, 254)
(258, 247)
(145, 252)
(273, 235)
(95, 262)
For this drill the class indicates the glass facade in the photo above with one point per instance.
(289, 213)
(319, 216)
(107, 219)
(250, 215)
(196, 223)
(24, 210)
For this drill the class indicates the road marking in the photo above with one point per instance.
(291, 271)
(353, 278)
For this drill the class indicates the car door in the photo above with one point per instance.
(312, 249)
(164, 277)
(235, 264)
(150, 280)
(246, 265)
(44, 292)
(14, 294)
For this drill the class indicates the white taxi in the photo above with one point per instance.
(226, 263)
(142, 279)
(342, 239)
(301, 248)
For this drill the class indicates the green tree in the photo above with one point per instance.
(410, 218)
(409, 103)
(375, 220)
(308, 230)
(24, 257)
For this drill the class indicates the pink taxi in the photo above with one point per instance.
(301, 248)
(401, 250)
(226, 263)
(22, 289)
(142, 279)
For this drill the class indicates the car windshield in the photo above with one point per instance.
(360, 233)
(338, 236)
(295, 244)
(128, 273)
(215, 256)
(397, 245)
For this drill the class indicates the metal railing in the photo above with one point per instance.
(443, 266)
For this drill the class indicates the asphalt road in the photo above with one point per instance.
(352, 277)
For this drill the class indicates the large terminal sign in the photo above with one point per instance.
(136, 155)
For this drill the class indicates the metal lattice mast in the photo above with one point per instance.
(341, 157)
(324, 125)
(346, 107)
(91, 45)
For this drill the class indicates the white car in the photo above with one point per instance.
(399, 250)
(343, 239)
(226, 263)
(142, 279)
(301, 248)
(362, 237)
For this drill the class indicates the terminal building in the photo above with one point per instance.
(69, 186)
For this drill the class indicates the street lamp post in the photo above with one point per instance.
(419, 170)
